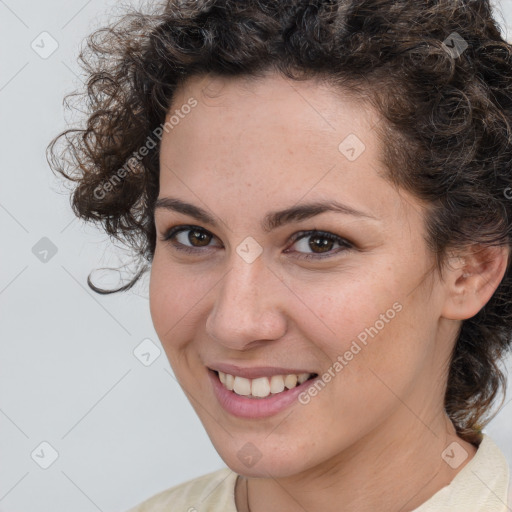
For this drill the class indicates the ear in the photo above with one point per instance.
(472, 278)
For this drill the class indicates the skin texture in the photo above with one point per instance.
(372, 439)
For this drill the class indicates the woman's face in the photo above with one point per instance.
(346, 294)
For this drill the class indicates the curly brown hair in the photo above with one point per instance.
(438, 71)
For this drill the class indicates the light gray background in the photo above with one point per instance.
(69, 377)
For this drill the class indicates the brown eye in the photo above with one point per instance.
(201, 237)
(188, 238)
(319, 243)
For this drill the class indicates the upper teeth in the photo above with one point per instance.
(262, 386)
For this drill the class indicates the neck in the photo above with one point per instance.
(389, 469)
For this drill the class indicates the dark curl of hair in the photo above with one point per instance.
(446, 128)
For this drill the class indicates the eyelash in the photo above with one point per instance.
(170, 234)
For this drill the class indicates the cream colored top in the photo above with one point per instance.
(481, 486)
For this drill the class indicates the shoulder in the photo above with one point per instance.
(208, 493)
(481, 486)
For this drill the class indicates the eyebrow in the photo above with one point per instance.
(273, 219)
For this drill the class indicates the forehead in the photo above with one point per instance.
(280, 139)
(272, 116)
(276, 100)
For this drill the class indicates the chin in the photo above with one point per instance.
(257, 455)
(275, 466)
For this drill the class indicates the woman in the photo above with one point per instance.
(321, 192)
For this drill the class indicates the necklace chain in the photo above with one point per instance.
(247, 494)
(238, 488)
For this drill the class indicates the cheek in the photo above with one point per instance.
(177, 298)
(370, 362)
(346, 308)
(171, 299)
(366, 327)
(162, 288)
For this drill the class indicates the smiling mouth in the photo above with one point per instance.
(262, 387)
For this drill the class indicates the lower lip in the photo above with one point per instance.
(245, 407)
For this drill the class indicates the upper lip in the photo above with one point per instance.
(255, 371)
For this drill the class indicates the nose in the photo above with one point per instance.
(248, 306)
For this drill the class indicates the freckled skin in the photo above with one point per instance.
(372, 438)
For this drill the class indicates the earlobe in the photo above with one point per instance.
(472, 280)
